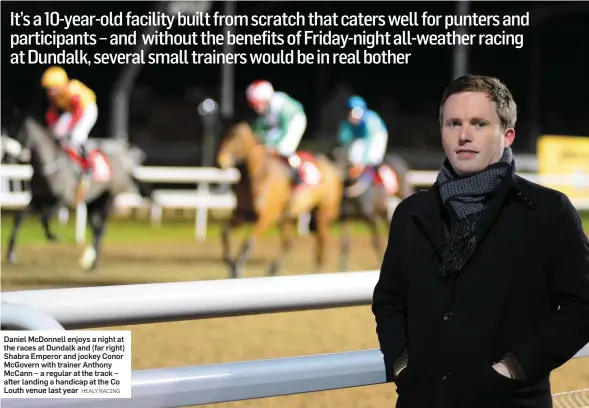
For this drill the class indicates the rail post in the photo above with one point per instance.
(24, 317)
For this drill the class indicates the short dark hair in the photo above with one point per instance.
(496, 90)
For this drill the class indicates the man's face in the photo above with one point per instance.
(260, 107)
(355, 115)
(472, 136)
(55, 91)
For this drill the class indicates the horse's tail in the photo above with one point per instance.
(401, 167)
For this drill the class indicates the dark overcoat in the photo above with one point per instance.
(524, 292)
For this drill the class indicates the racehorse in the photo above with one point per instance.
(266, 197)
(46, 205)
(54, 181)
(365, 196)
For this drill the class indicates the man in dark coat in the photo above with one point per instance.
(484, 287)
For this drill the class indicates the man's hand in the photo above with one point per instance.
(401, 363)
(356, 171)
(400, 370)
(502, 369)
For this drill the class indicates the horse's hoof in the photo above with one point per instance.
(88, 260)
(236, 271)
(232, 268)
(11, 258)
(53, 238)
(273, 270)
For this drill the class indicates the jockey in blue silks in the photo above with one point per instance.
(364, 135)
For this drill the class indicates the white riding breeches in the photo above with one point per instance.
(289, 144)
(368, 153)
(79, 134)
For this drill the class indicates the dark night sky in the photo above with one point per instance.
(563, 64)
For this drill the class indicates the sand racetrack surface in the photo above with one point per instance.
(133, 253)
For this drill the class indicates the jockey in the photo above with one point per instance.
(281, 123)
(79, 112)
(364, 134)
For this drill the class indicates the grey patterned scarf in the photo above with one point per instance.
(466, 198)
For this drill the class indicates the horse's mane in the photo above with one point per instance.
(19, 118)
(37, 126)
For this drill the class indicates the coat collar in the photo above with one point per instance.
(431, 214)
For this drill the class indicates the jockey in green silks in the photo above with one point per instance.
(281, 122)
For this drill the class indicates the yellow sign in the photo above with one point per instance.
(565, 156)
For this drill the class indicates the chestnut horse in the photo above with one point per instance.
(265, 196)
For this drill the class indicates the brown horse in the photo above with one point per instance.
(265, 196)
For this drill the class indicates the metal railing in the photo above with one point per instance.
(572, 399)
(213, 383)
(157, 302)
(24, 317)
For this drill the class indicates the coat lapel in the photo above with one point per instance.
(429, 218)
(493, 208)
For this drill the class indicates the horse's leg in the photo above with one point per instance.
(372, 222)
(234, 222)
(263, 223)
(18, 219)
(286, 236)
(321, 241)
(370, 216)
(325, 215)
(269, 206)
(345, 244)
(383, 211)
(304, 202)
(98, 214)
(46, 213)
(225, 242)
(344, 233)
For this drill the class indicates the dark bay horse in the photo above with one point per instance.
(265, 196)
(366, 198)
(55, 178)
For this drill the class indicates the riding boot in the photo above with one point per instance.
(293, 171)
(295, 176)
(85, 176)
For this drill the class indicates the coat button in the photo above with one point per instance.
(448, 316)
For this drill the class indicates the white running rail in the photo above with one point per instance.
(202, 200)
